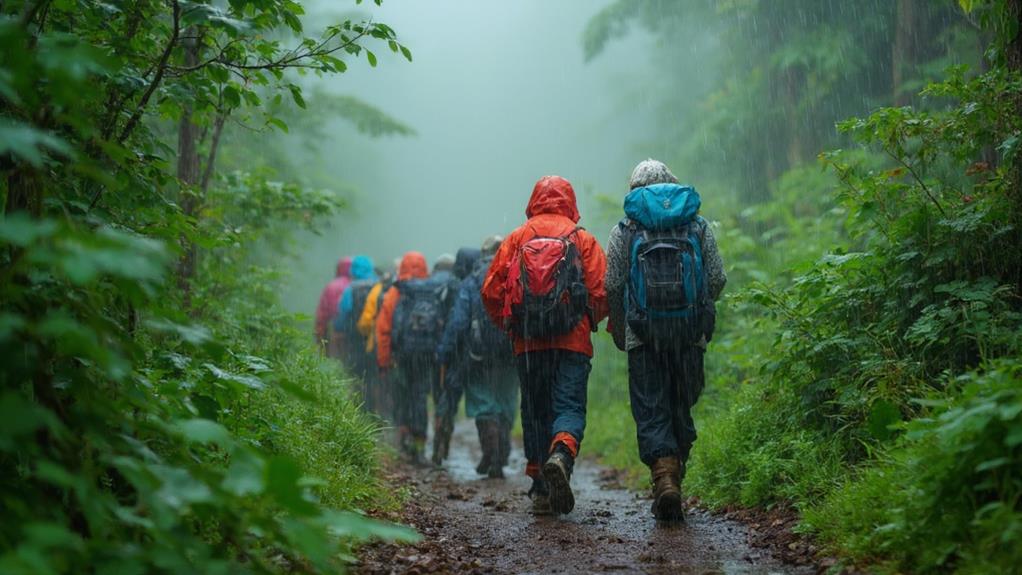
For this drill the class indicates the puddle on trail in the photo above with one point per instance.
(483, 525)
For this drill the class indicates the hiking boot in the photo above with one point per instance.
(557, 475)
(496, 470)
(666, 476)
(540, 497)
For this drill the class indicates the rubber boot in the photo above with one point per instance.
(505, 442)
(416, 449)
(496, 470)
(557, 475)
(484, 427)
(666, 477)
(441, 440)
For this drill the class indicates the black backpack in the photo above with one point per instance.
(359, 296)
(550, 286)
(487, 342)
(419, 316)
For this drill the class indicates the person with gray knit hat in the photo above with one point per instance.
(482, 352)
(664, 274)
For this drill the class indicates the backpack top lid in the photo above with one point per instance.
(662, 206)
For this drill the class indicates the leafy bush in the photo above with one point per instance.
(150, 425)
(946, 496)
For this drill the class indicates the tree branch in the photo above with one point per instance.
(291, 59)
(918, 180)
(157, 78)
(218, 128)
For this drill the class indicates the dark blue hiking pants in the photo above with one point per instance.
(416, 374)
(664, 385)
(554, 384)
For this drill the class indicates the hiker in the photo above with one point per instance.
(327, 309)
(353, 301)
(664, 274)
(444, 265)
(546, 285)
(408, 328)
(382, 397)
(452, 377)
(482, 354)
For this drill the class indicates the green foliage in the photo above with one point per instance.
(865, 367)
(950, 489)
(160, 411)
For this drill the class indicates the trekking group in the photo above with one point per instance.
(517, 314)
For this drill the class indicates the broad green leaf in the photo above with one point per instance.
(20, 229)
(203, 431)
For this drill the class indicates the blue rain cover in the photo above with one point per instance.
(662, 206)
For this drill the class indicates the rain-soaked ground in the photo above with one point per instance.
(477, 525)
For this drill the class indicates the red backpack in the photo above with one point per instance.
(547, 293)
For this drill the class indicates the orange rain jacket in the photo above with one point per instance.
(552, 212)
(413, 266)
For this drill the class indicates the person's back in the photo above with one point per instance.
(349, 308)
(450, 381)
(326, 308)
(416, 369)
(663, 274)
(524, 288)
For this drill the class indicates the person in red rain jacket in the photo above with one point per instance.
(327, 307)
(415, 372)
(554, 371)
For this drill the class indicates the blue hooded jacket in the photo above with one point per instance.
(468, 303)
(361, 269)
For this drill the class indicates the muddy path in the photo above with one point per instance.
(477, 525)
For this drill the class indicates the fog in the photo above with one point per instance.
(499, 94)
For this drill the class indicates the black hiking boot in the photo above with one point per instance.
(666, 475)
(540, 496)
(557, 475)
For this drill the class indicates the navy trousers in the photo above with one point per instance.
(554, 385)
(664, 385)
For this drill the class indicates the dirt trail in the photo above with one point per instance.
(475, 525)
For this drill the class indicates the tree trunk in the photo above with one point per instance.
(24, 194)
(188, 173)
(903, 57)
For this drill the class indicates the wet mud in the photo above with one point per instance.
(472, 524)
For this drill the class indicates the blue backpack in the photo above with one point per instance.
(666, 296)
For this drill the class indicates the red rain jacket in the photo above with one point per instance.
(327, 307)
(413, 266)
(552, 212)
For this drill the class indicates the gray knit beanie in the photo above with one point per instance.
(650, 172)
(491, 245)
(444, 263)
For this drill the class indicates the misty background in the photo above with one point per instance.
(499, 94)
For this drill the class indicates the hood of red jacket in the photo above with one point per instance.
(344, 267)
(553, 195)
(413, 266)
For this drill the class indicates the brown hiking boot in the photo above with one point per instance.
(666, 473)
